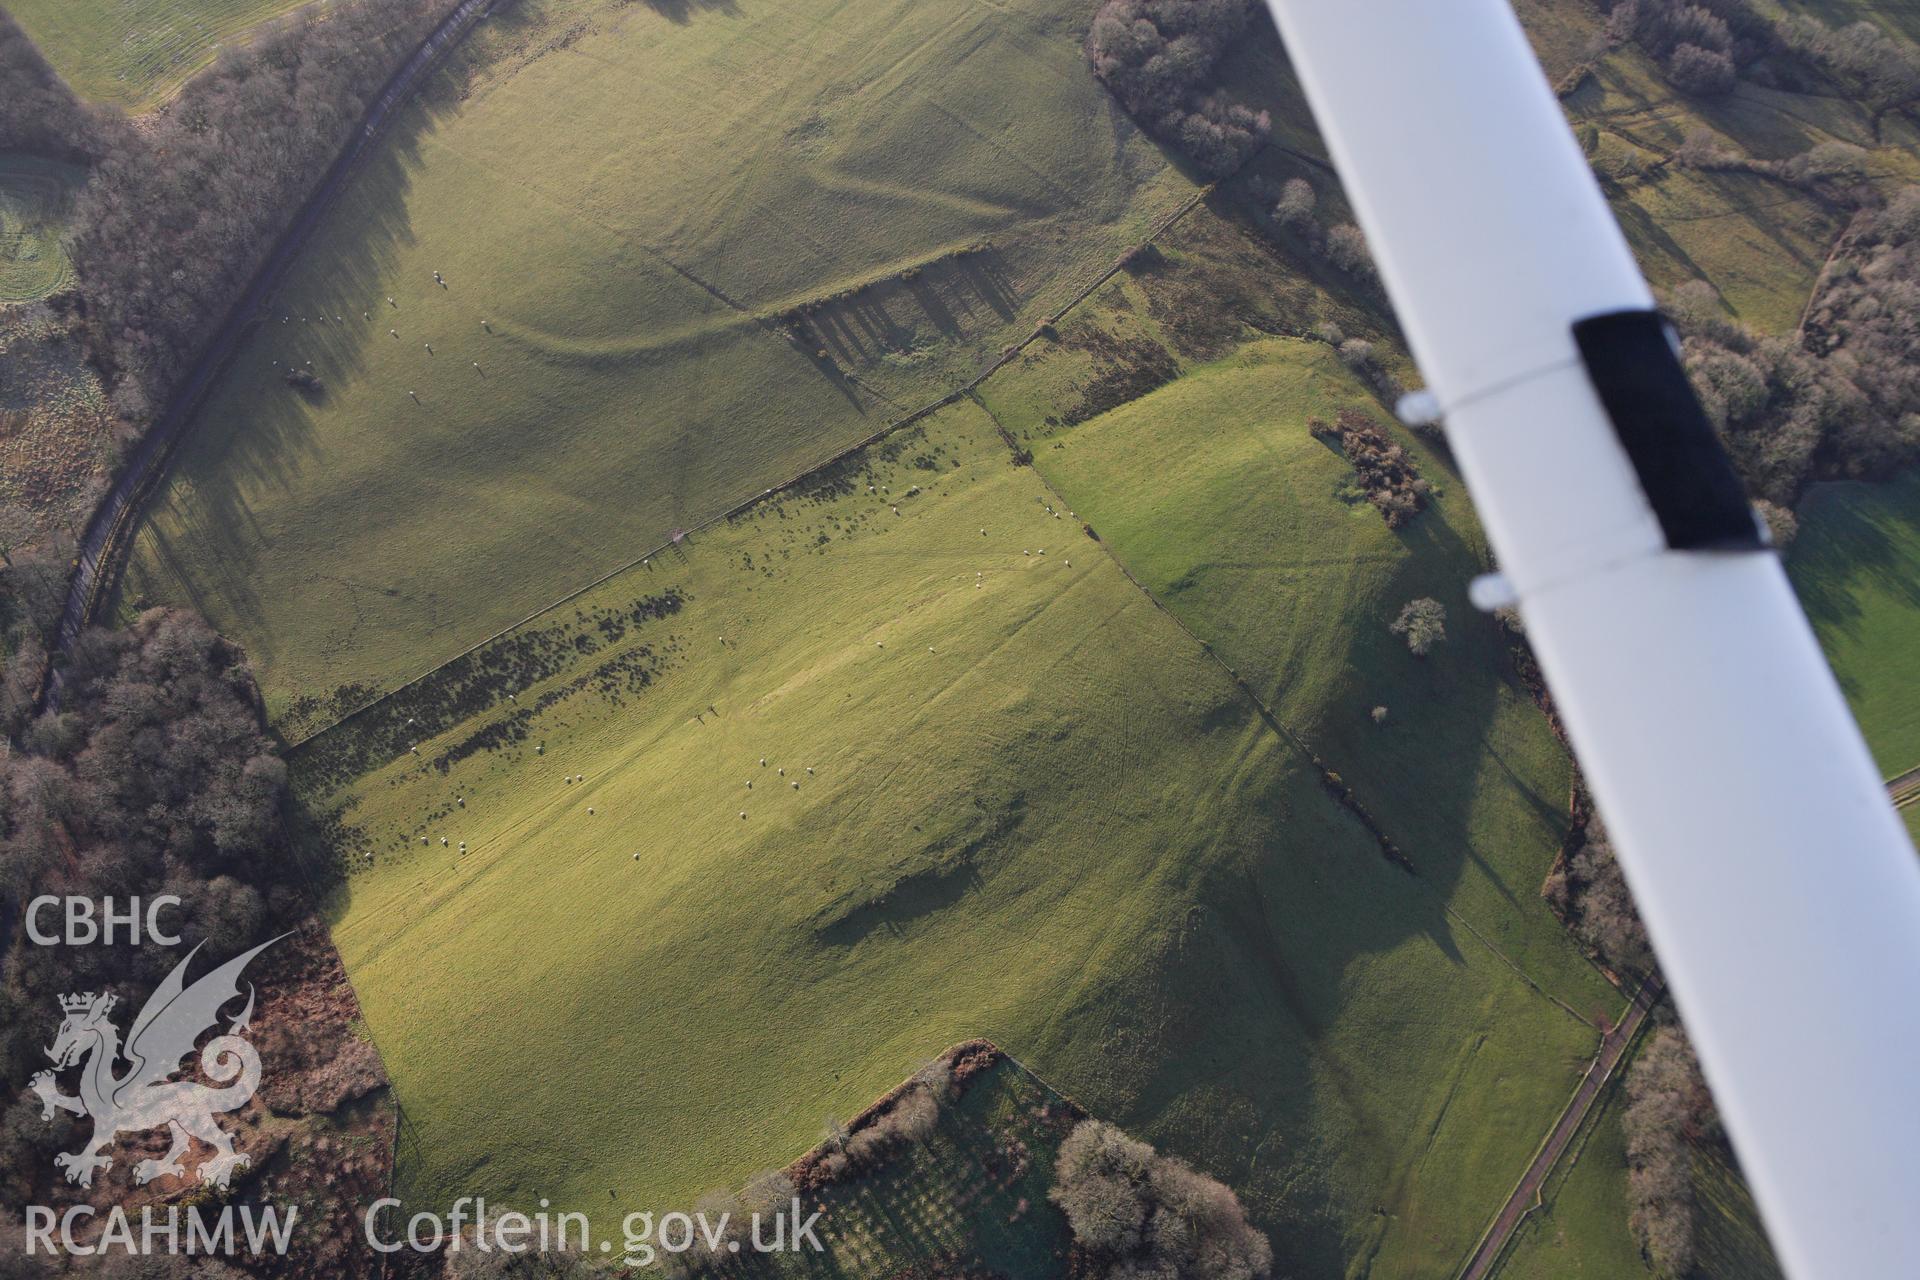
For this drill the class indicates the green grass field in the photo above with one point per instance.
(1856, 565)
(135, 53)
(1580, 1230)
(1040, 814)
(690, 250)
(35, 197)
(630, 378)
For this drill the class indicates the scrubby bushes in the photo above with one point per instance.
(1834, 171)
(1342, 245)
(1140, 1215)
(218, 177)
(1158, 58)
(1383, 470)
(907, 1116)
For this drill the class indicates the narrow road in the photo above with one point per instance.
(113, 520)
(1612, 1047)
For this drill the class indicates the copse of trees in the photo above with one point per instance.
(1841, 398)
(156, 777)
(1589, 892)
(1138, 1213)
(218, 177)
(1700, 45)
(1158, 57)
(1383, 470)
(39, 113)
(1668, 1110)
(1873, 65)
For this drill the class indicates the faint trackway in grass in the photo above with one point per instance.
(1342, 794)
(959, 393)
(108, 535)
(1526, 1193)
(1902, 789)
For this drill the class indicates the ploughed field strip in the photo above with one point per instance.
(35, 196)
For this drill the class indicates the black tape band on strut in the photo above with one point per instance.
(1688, 477)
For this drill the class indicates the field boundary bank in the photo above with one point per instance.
(963, 392)
(107, 536)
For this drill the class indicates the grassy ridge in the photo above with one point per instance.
(1039, 814)
(135, 53)
(631, 379)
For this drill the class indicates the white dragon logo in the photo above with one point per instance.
(173, 1018)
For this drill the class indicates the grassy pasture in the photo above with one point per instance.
(35, 197)
(631, 378)
(1856, 565)
(135, 53)
(1039, 814)
(1580, 1230)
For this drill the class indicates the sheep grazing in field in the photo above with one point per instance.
(540, 750)
(743, 815)
(983, 533)
(1069, 564)
(929, 648)
(461, 801)
(428, 346)
(463, 846)
(749, 784)
(413, 750)
(796, 786)
(589, 811)
(391, 302)
(783, 773)
(423, 839)
(394, 332)
(809, 771)
(896, 511)
(415, 396)
(763, 762)
(443, 842)
(476, 364)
